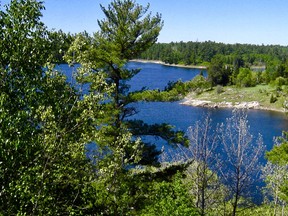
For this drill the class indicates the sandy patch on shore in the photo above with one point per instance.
(170, 65)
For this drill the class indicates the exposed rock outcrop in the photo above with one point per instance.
(223, 104)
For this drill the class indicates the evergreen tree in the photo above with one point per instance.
(127, 30)
(125, 33)
(218, 73)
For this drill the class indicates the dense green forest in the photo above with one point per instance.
(243, 65)
(199, 53)
(46, 124)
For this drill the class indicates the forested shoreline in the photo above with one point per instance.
(201, 53)
(195, 53)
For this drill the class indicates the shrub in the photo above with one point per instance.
(219, 89)
(245, 78)
(280, 81)
(273, 99)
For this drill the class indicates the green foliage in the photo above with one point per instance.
(173, 92)
(20, 62)
(279, 154)
(129, 32)
(60, 43)
(245, 78)
(23, 36)
(126, 31)
(275, 173)
(169, 198)
(270, 58)
(235, 55)
(263, 209)
(280, 81)
(265, 77)
(275, 176)
(273, 98)
(164, 131)
(218, 73)
(45, 123)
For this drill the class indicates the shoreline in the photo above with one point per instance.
(188, 101)
(169, 65)
(255, 105)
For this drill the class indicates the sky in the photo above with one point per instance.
(226, 21)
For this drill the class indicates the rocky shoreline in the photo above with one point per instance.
(191, 101)
(225, 104)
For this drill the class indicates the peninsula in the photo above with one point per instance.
(258, 97)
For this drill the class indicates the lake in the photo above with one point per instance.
(267, 123)
(155, 76)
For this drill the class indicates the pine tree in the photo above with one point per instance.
(124, 34)
(127, 30)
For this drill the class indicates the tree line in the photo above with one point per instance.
(68, 152)
(199, 53)
(228, 64)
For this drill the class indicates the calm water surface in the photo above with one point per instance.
(154, 76)
(267, 123)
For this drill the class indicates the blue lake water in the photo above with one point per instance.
(155, 76)
(267, 123)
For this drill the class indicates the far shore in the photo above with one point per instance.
(170, 65)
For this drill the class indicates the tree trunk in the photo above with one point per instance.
(235, 203)
(204, 186)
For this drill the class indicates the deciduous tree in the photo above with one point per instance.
(278, 156)
(240, 165)
(204, 180)
(45, 123)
